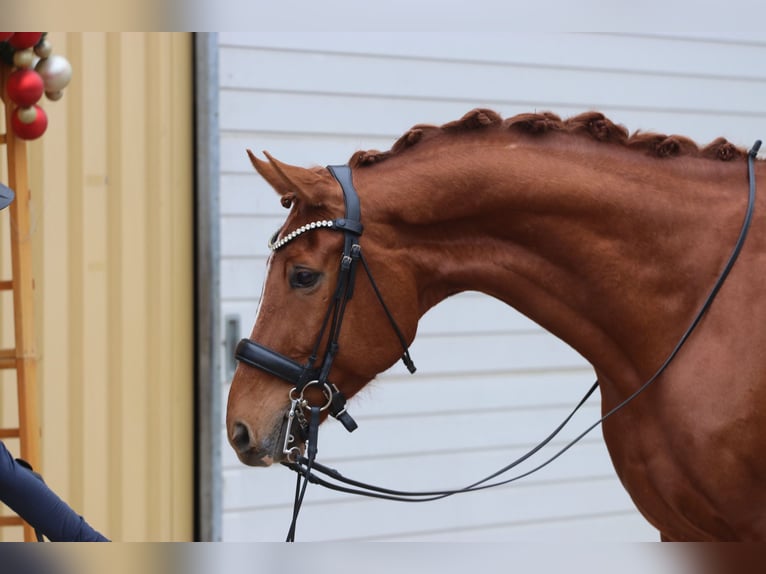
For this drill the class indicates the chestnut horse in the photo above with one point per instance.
(608, 240)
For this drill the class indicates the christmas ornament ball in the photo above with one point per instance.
(43, 48)
(24, 58)
(27, 115)
(54, 96)
(56, 72)
(24, 87)
(24, 40)
(29, 130)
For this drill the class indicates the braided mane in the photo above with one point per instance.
(591, 124)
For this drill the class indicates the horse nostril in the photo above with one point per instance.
(240, 437)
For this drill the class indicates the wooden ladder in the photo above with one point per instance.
(22, 357)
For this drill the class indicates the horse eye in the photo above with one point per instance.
(303, 278)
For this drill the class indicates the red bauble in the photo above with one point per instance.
(5, 35)
(25, 87)
(33, 129)
(24, 40)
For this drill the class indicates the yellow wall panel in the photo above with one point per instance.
(112, 185)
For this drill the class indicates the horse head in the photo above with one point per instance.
(300, 313)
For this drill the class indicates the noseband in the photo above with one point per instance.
(303, 376)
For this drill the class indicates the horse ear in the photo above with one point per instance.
(291, 182)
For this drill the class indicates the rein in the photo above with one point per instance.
(306, 467)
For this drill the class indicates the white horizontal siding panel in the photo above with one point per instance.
(494, 84)
(315, 115)
(644, 54)
(248, 236)
(366, 519)
(248, 194)
(472, 312)
(241, 278)
(390, 116)
(601, 527)
(487, 353)
(297, 148)
(419, 393)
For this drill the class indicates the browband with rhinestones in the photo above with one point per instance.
(275, 243)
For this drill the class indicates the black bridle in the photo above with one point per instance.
(304, 375)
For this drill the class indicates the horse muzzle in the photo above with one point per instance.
(273, 448)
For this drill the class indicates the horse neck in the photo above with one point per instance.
(610, 250)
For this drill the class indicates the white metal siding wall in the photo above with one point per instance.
(490, 383)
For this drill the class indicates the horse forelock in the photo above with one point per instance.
(592, 124)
